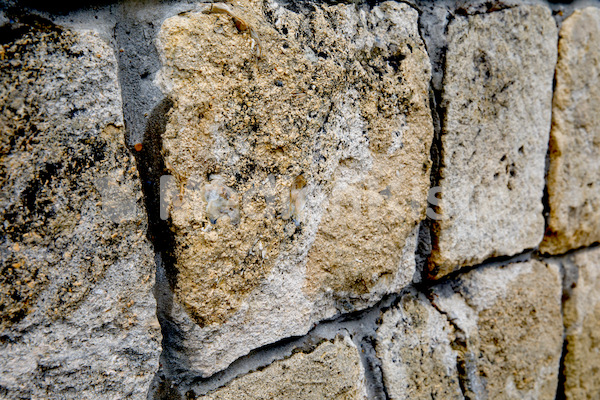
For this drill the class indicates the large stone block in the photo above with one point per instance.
(497, 96)
(299, 146)
(414, 343)
(77, 313)
(574, 174)
(581, 310)
(508, 328)
(332, 371)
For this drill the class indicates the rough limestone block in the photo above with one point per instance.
(414, 345)
(299, 148)
(332, 371)
(508, 328)
(581, 310)
(574, 174)
(77, 313)
(497, 96)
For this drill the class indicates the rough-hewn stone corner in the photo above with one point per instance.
(77, 313)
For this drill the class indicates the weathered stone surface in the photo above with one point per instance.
(332, 371)
(508, 329)
(77, 313)
(581, 310)
(414, 345)
(301, 148)
(497, 96)
(574, 174)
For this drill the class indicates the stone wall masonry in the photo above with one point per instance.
(508, 328)
(77, 311)
(298, 199)
(414, 343)
(304, 171)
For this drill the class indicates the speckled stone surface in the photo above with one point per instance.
(508, 329)
(332, 371)
(497, 95)
(414, 343)
(77, 313)
(299, 148)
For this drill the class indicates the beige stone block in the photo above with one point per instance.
(300, 148)
(77, 310)
(332, 371)
(574, 174)
(497, 99)
(508, 328)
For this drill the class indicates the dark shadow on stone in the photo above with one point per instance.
(63, 7)
(20, 23)
(138, 64)
(151, 167)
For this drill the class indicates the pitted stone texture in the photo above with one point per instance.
(574, 174)
(77, 313)
(581, 310)
(508, 329)
(414, 345)
(497, 96)
(332, 371)
(303, 171)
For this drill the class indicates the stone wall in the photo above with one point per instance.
(297, 199)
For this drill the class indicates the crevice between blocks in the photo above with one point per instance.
(459, 345)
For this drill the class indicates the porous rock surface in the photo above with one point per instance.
(299, 146)
(414, 344)
(77, 313)
(508, 332)
(581, 310)
(332, 371)
(497, 99)
(574, 173)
